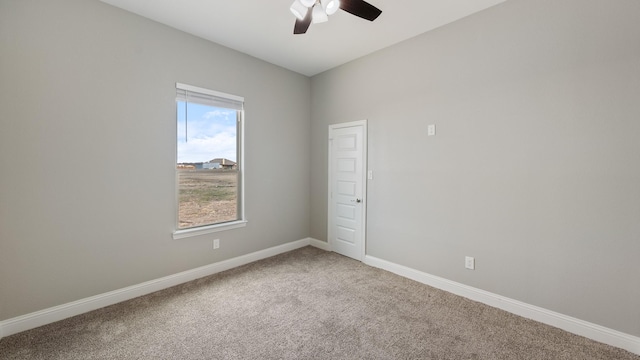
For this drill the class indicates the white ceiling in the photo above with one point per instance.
(264, 28)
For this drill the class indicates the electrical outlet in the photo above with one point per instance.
(469, 262)
(431, 130)
(216, 243)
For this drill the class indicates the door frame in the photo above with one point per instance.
(363, 208)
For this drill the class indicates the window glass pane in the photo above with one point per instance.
(207, 165)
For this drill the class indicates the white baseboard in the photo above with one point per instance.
(576, 326)
(323, 245)
(56, 313)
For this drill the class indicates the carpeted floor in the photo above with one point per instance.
(305, 304)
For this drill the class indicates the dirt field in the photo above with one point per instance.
(207, 196)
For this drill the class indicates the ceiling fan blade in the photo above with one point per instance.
(301, 26)
(360, 8)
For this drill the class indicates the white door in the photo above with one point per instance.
(347, 188)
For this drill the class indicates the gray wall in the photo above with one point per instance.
(535, 169)
(87, 151)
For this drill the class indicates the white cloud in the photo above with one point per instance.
(202, 149)
(210, 134)
(220, 114)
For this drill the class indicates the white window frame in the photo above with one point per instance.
(207, 229)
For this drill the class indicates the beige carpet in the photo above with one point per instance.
(306, 304)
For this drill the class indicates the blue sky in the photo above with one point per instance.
(211, 133)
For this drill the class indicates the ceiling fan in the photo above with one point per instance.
(318, 11)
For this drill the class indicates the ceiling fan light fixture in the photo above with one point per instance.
(298, 9)
(331, 6)
(319, 15)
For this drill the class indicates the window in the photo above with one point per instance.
(209, 160)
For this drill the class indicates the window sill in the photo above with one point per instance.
(187, 233)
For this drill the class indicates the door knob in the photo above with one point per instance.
(357, 200)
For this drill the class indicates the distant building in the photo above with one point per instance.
(223, 163)
(211, 165)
